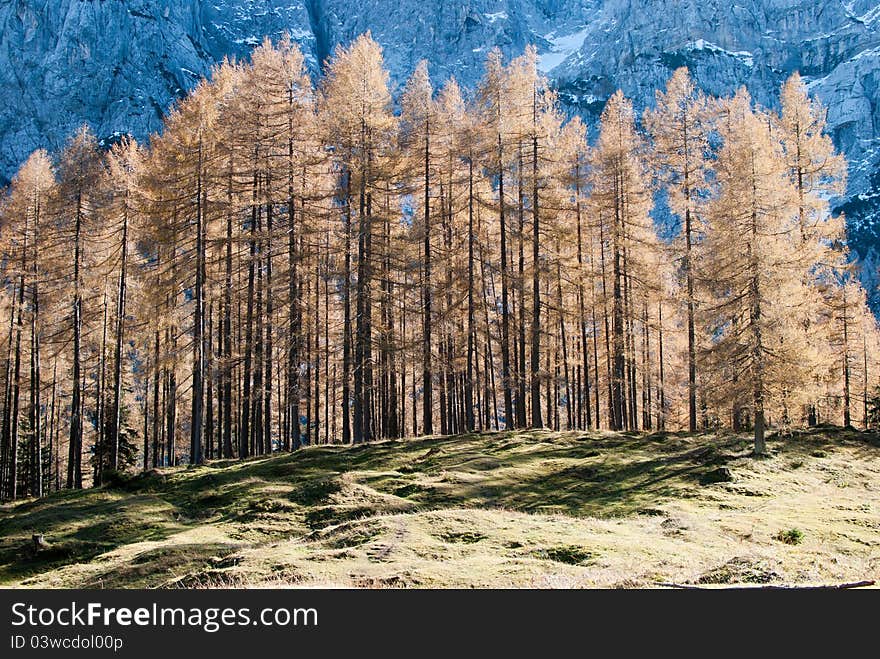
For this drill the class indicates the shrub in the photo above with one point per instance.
(790, 537)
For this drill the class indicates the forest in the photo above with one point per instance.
(290, 263)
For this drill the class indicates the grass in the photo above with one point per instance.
(524, 509)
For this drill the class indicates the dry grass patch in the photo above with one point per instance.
(531, 509)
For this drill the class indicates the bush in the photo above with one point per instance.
(720, 475)
(115, 478)
(790, 537)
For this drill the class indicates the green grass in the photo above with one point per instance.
(532, 508)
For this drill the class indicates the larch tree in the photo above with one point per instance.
(282, 266)
(577, 151)
(78, 172)
(25, 211)
(620, 197)
(846, 302)
(679, 127)
(357, 110)
(540, 126)
(418, 126)
(753, 258)
(817, 172)
(495, 105)
(298, 153)
(122, 169)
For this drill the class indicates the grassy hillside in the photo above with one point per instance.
(534, 509)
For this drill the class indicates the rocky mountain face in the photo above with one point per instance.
(633, 45)
(118, 64)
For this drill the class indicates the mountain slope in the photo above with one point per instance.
(119, 65)
(537, 509)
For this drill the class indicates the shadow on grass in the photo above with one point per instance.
(78, 527)
(161, 565)
(576, 473)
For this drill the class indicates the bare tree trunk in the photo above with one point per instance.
(585, 353)
(449, 363)
(316, 357)
(566, 373)
(489, 357)
(309, 351)
(146, 408)
(6, 462)
(198, 367)
(267, 380)
(347, 338)
(327, 405)
(36, 450)
(647, 370)
(171, 396)
(632, 419)
(116, 411)
(427, 370)
(360, 402)
(368, 388)
(661, 410)
(228, 369)
(293, 338)
(403, 360)
(101, 453)
(244, 433)
(613, 418)
(53, 424)
(471, 330)
(256, 439)
(535, 375)
(74, 463)
(393, 428)
(157, 416)
(521, 411)
(618, 395)
(692, 350)
(209, 385)
(505, 304)
(758, 346)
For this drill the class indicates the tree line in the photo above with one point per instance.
(287, 264)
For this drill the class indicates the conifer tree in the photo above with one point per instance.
(621, 200)
(817, 173)
(493, 93)
(26, 210)
(758, 273)
(281, 266)
(679, 126)
(418, 124)
(357, 107)
(78, 172)
(122, 166)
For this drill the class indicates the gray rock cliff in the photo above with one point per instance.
(119, 64)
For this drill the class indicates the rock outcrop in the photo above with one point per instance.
(119, 65)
